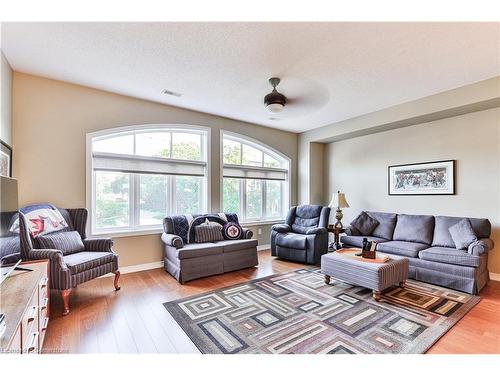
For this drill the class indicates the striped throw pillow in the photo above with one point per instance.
(208, 232)
(67, 242)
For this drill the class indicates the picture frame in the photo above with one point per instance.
(430, 178)
(5, 159)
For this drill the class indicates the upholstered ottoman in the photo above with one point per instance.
(343, 265)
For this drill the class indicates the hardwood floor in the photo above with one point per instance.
(133, 320)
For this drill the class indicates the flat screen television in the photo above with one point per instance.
(10, 244)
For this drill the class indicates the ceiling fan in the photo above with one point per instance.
(275, 101)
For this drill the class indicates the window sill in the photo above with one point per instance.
(263, 222)
(136, 233)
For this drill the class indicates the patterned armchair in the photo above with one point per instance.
(304, 236)
(72, 261)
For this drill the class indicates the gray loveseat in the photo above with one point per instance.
(304, 236)
(427, 243)
(187, 260)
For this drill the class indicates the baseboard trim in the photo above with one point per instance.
(263, 247)
(138, 268)
(495, 276)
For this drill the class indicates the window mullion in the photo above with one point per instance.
(243, 198)
(263, 198)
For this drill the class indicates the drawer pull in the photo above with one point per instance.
(45, 324)
(33, 344)
(44, 282)
(45, 303)
(33, 314)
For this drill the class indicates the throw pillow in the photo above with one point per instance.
(364, 223)
(232, 231)
(67, 242)
(208, 232)
(462, 234)
(43, 219)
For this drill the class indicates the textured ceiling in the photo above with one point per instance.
(330, 71)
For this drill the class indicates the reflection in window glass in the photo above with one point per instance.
(271, 162)
(117, 145)
(188, 194)
(153, 144)
(112, 199)
(231, 195)
(252, 156)
(231, 152)
(153, 199)
(254, 198)
(273, 199)
(186, 146)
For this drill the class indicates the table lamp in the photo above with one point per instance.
(338, 201)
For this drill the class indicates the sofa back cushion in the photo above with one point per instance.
(414, 228)
(442, 236)
(306, 217)
(386, 224)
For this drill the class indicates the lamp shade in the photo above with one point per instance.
(338, 200)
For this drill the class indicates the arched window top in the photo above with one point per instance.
(240, 150)
(159, 141)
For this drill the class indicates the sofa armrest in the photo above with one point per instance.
(172, 240)
(318, 230)
(351, 231)
(246, 233)
(281, 228)
(481, 246)
(98, 244)
(53, 255)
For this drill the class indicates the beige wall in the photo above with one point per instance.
(50, 122)
(358, 167)
(6, 100)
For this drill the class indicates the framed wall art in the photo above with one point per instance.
(432, 178)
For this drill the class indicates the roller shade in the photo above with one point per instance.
(147, 165)
(258, 173)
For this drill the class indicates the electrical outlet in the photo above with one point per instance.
(259, 231)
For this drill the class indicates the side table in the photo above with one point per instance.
(336, 235)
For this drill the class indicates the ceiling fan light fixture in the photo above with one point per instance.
(274, 101)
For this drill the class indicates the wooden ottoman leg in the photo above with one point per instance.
(402, 284)
(327, 279)
(117, 278)
(65, 298)
(376, 295)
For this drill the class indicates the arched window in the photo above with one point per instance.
(139, 175)
(255, 179)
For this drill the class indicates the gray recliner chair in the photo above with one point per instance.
(304, 236)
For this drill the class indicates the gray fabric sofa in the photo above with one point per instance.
(304, 236)
(187, 260)
(427, 243)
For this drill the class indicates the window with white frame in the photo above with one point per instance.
(141, 174)
(255, 179)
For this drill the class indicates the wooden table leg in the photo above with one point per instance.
(402, 284)
(376, 295)
(327, 279)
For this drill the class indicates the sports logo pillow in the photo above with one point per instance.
(232, 231)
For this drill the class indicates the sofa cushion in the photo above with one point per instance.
(357, 241)
(386, 224)
(87, 260)
(292, 240)
(414, 228)
(450, 256)
(364, 223)
(407, 249)
(442, 236)
(195, 250)
(237, 245)
(208, 232)
(232, 231)
(462, 234)
(68, 242)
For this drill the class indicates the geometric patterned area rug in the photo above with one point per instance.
(296, 312)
